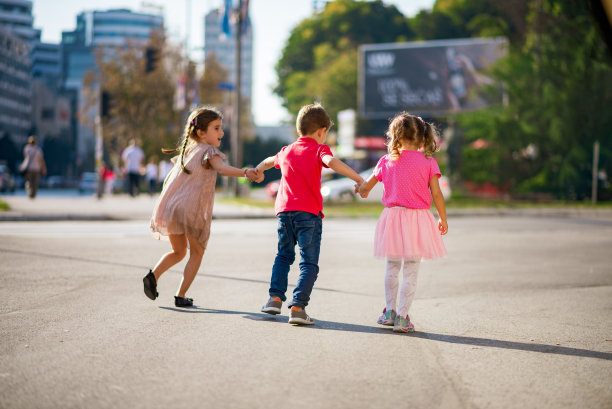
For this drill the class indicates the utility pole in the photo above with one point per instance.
(235, 128)
(595, 172)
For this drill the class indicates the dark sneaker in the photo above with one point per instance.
(273, 306)
(387, 318)
(150, 285)
(299, 317)
(183, 302)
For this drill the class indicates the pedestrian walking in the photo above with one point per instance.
(133, 158)
(164, 168)
(105, 182)
(183, 211)
(33, 166)
(151, 175)
(406, 230)
(299, 208)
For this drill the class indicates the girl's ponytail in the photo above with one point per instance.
(187, 171)
(430, 134)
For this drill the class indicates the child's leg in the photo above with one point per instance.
(179, 249)
(308, 228)
(285, 257)
(392, 283)
(196, 252)
(411, 270)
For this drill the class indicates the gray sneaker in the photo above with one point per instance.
(273, 306)
(299, 317)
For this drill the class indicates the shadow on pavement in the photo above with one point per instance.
(145, 268)
(453, 339)
(521, 346)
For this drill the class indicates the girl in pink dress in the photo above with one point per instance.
(184, 209)
(406, 230)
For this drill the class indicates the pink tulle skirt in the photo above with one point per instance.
(403, 233)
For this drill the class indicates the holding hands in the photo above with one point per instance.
(254, 175)
(362, 190)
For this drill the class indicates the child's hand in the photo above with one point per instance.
(363, 192)
(252, 174)
(442, 226)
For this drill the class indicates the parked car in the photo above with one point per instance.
(88, 183)
(7, 180)
(55, 181)
(343, 189)
(338, 190)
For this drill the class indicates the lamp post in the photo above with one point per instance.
(236, 153)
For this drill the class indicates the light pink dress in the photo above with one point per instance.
(185, 204)
(406, 227)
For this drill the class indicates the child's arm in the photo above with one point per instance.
(226, 170)
(265, 164)
(438, 200)
(365, 187)
(342, 168)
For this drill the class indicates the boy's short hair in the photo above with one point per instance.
(311, 118)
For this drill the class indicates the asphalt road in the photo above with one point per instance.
(518, 316)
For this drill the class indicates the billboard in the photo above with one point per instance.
(427, 77)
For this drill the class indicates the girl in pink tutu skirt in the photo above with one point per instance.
(184, 209)
(406, 231)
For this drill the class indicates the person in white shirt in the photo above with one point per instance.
(133, 159)
(165, 166)
(151, 175)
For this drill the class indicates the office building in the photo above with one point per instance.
(16, 18)
(224, 48)
(16, 37)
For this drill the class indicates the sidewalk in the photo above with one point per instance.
(124, 207)
(115, 207)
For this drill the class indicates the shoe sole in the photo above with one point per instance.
(300, 321)
(148, 290)
(403, 330)
(271, 310)
(387, 323)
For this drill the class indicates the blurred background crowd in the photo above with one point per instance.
(520, 90)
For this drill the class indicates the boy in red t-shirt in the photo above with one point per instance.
(299, 206)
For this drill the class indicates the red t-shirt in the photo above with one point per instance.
(300, 186)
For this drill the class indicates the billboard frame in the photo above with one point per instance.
(361, 81)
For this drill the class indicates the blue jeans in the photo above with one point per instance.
(304, 229)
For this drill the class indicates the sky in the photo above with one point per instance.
(273, 21)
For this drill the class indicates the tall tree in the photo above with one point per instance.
(558, 83)
(319, 61)
(210, 83)
(135, 84)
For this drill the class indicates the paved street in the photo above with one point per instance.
(518, 316)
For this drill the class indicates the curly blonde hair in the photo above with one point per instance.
(413, 129)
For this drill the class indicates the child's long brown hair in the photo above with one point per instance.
(407, 127)
(199, 118)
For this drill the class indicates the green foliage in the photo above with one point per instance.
(319, 61)
(474, 18)
(558, 83)
(141, 97)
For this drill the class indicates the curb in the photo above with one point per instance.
(104, 217)
(605, 214)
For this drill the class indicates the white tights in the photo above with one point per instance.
(411, 270)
